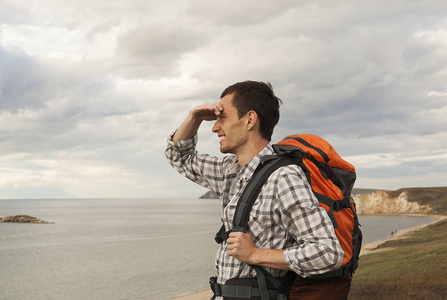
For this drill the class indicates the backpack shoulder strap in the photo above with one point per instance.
(248, 197)
(268, 165)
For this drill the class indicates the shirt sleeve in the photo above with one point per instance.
(201, 168)
(315, 249)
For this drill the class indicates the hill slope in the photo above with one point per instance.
(410, 268)
(435, 197)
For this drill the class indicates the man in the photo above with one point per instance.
(287, 230)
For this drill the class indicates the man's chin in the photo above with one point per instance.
(225, 150)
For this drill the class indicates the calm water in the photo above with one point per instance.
(121, 248)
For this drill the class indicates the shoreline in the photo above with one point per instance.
(371, 247)
(366, 248)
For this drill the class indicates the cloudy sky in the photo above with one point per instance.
(90, 90)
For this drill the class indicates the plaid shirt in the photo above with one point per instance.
(286, 214)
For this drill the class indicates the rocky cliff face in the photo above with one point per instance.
(381, 202)
(391, 202)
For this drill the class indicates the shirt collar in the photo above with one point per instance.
(247, 171)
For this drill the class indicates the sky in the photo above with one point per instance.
(90, 90)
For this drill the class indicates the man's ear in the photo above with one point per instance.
(252, 119)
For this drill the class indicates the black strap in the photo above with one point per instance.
(333, 205)
(244, 291)
(305, 143)
(262, 173)
(280, 286)
(262, 283)
(268, 165)
(220, 234)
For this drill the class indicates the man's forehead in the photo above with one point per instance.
(227, 101)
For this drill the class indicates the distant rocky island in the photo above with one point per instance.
(23, 219)
(209, 195)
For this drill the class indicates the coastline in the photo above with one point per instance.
(371, 247)
(367, 248)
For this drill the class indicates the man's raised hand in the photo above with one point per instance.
(207, 111)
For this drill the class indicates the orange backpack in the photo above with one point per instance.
(331, 179)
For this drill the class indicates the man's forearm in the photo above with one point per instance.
(242, 247)
(270, 258)
(187, 129)
(204, 112)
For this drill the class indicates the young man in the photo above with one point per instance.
(287, 230)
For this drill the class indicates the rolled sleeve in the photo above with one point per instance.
(176, 149)
(315, 249)
(203, 169)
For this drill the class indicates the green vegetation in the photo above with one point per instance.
(436, 197)
(414, 267)
(358, 191)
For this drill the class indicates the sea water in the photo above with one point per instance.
(121, 248)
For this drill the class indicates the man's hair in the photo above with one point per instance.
(259, 97)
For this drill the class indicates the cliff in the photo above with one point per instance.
(383, 202)
(402, 201)
(23, 219)
(435, 197)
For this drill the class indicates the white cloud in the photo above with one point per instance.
(380, 160)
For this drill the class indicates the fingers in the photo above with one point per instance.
(207, 111)
(233, 242)
(232, 246)
(240, 245)
(215, 107)
(219, 107)
(239, 240)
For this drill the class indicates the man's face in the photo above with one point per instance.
(230, 129)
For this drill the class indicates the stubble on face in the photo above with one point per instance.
(229, 127)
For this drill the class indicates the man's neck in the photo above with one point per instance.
(252, 149)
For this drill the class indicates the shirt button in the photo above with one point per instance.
(246, 178)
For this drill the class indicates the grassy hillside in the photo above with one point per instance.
(414, 267)
(411, 268)
(358, 191)
(436, 197)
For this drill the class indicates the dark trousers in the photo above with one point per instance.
(335, 288)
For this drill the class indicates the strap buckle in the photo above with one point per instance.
(215, 287)
(340, 204)
(218, 238)
(223, 236)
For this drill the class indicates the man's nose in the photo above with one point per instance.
(216, 126)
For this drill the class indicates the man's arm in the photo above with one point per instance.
(317, 249)
(189, 127)
(242, 247)
(203, 169)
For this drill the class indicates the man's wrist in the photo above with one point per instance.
(255, 257)
(271, 258)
